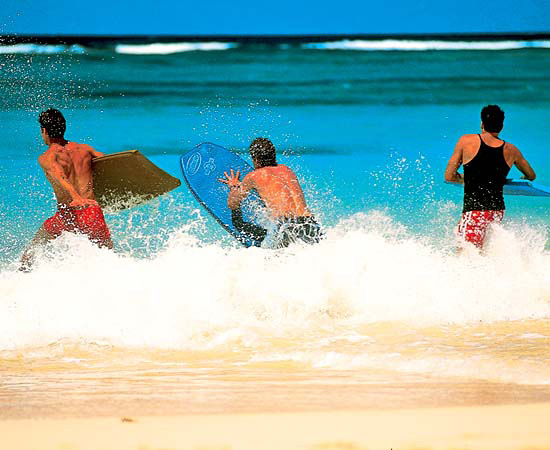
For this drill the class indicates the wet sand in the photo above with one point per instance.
(480, 427)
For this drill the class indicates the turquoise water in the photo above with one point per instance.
(363, 129)
(383, 300)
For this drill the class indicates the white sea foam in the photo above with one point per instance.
(170, 48)
(421, 45)
(30, 49)
(368, 272)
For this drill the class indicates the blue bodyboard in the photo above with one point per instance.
(517, 186)
(525, 187)
(202, 169)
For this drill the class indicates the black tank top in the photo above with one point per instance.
(484, 178)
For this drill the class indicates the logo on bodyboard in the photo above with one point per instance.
(209, 167)
(193, 164)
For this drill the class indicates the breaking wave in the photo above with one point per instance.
(32, 49)
(167, 49)
(422, 45)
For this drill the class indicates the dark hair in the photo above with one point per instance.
(492, 118)
(53, 122)
(262, 151)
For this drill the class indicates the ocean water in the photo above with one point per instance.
(179, 318)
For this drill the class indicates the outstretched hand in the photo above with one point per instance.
(231, 179)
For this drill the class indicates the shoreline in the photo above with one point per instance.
(481, 427)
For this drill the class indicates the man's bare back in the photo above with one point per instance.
(279, 188)
(69, 170)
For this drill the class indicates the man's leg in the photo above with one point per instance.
(107, 243)
(40, 238)
(91, 222)
(249, 229)
(471, 228)
(473, 225)
(310, 231)
(304, 229)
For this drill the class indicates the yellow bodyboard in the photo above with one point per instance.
(126, 179)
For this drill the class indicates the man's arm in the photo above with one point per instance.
(238, 193)
(237, 190)
(95, 153)
(451, 172)
(521, 163)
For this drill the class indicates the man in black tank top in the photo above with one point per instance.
(487, 159)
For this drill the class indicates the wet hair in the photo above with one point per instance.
(262, 151)
(492, 118)
(53, 122)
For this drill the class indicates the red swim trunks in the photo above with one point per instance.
(88, 221)
(473, 225)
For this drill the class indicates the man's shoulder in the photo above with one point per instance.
(48, 154)
(81, 146)
(250, 178)
(267, 172)
(43, 157)
(469, 138)
(511, 151)
(280, 170)
(48, 158)
(288, 171)
(284, 169)
(510, 146)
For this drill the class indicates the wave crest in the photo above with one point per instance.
(171, 48)
(33, 49)
(421, 45)
(369, 269)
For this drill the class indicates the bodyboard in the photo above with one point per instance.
(126, 179)
(516, 186)
(202, 169)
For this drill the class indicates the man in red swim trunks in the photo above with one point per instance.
(68, 167)
(487, 159)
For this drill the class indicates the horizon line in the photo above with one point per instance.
(532, 35)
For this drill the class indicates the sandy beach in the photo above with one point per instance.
(484, 427)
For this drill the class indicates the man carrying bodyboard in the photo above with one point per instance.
(68, 168)
(487, 159)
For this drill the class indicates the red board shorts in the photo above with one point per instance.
(473, 225)
(88, 221)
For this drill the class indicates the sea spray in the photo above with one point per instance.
(367, 270)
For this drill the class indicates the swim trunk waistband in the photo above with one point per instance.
(296, 219)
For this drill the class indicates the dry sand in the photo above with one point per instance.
(525, 427)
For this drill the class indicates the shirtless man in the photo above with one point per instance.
(279, 188)
(68, 167)
(487, 159)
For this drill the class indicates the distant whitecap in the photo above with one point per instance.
(166, 49)
(421, 45)
(30, 49)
